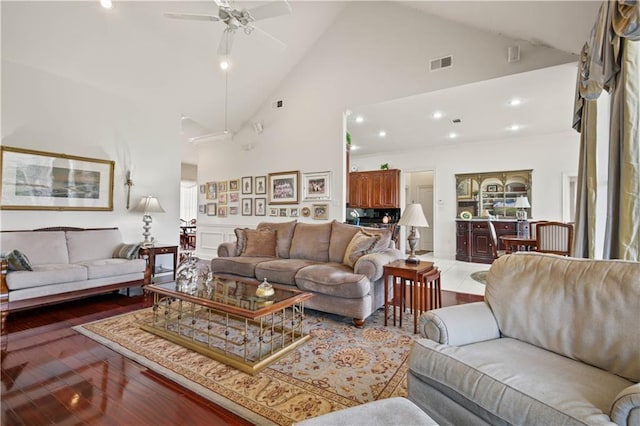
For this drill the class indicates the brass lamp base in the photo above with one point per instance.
(412, 259)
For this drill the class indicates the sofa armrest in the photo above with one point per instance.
(460, 324)
(227, 249)
(371, 265)
(626, 407)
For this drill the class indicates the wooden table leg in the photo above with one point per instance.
(386, 296)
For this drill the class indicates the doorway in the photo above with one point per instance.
(419, 189)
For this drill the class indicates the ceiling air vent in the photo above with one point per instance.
(440, 63)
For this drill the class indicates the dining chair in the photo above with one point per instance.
(532, 227)
(554, 237)
(494, 241)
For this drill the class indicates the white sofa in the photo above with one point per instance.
(67, 263)
(556, 342)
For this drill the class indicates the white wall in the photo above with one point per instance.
(548, 155)
(361, 59)
(45, 112)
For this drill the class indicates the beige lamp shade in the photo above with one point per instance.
(148, 205)
(522, 202)
(413, 216)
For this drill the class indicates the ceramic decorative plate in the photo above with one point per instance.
(466, 215)
(306, 211)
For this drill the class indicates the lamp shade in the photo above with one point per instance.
(522, 202)
(413, 216)
(148, 205)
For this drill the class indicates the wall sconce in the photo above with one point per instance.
(128, 183)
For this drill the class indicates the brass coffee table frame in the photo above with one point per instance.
(246, 339)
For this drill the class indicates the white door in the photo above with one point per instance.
(425, 197)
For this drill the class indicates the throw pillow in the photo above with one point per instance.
(18, 261)
(361, 244)
(126, 251)
(260, 243)
(241, 240)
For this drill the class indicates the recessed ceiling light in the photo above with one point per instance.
(382, 133)
(225, 64)
(515, 102)
(514, 128)
(437, 115)
(453, 135)
(359, 119)
(106, 4)
(354, 147)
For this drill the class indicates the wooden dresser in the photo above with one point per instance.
(473, 239)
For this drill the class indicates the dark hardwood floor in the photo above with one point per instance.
(53, 375)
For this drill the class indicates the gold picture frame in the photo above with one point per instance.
(39, 180)
(284, 187)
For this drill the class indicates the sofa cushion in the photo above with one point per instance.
(17, 261)
(385, 238)
(333, 279)
(341, 235)
(282, 271)
(261, 243)
(569, 305)
(311, 241)
(92, 244)
(243, 266)
(241, 239)
(360, 244)
(529, 385)
(127, 251)
(42, 247)
(284, 234)
(47, 274)
(112, 267)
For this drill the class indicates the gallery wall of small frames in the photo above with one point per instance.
(276, 194)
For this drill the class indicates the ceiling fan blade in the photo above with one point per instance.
(268, 39)
(192, 17)
(224, 48)
(270, 10)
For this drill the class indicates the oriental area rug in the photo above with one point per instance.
(339, 367)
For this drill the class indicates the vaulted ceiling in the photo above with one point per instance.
(133, 50)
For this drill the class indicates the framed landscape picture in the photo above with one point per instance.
(284, 187)
(38, 180)
(316, 186)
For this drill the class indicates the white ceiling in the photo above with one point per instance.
(135, 51)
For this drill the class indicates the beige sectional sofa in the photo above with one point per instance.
(67, 263)
(556, 342)
(340, 264)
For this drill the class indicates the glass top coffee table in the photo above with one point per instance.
(228, 322)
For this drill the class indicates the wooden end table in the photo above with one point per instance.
(406, 272)
(150, 254)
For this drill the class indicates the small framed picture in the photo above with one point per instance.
(260, 206)
(320, 211)
(222, 198)
(234, 185)
(212, 209)
(211, 190)
(202, 208)
(316, 186)
(247, 207)
(233, 197)
(306, 212)
(233, 210)
(282, 212)
(203, 188)
(273, 211)
(293, 212)
(222, 211)
(247, 185)
(492, 188)
(261, 185)
(283, 187)
(222, 186)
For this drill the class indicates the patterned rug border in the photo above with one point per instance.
(220, 394)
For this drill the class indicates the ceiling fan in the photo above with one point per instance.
(237, 19)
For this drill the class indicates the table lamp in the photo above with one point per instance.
(413, 216)
(522, 203)
(148, 205)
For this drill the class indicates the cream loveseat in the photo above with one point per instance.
(67, 263)
(556, 342)
(341, 264)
